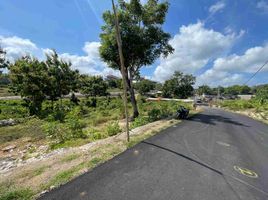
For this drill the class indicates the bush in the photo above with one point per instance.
(113, 128)
(154, 114)
(91, 103)
(55, 131)
(139, 121)
(94, 134)
(75, 126)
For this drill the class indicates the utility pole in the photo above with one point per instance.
(122, 67)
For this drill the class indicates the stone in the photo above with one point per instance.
(7, 122)
(51, 187)
(9, 148)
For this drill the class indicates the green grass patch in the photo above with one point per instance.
(31, 128)
(9, 192)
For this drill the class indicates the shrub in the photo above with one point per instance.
(113, 128)
(94, 134)
(55, 131)
(91, 103)
(139, 121)
(154, 114)
(75, 126)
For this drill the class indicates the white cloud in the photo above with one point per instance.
(90, 63)
(194, 46)
(17, 47)
(216, 7)
(263, 5)
(228, 70)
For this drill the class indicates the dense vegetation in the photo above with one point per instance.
(257, 105)
(70, 124)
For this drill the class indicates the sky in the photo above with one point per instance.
(220, 42)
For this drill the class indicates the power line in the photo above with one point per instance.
(256, 72)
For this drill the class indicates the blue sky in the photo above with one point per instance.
(221, 42)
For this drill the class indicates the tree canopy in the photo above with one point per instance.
(145, 86)
(93, 86)
(29, 78)
(180, 86)
(143, 40)
(61, 78)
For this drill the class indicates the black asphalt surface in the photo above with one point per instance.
(195, 159)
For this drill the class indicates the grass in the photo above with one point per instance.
(259, 111)
(35, 172)
(100, 122)
(244, 104)
(9, 192)
(31, 128)
(4, 91)
(70, 158)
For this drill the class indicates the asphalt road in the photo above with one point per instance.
(213, 156)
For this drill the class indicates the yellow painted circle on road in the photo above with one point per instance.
(246, 172)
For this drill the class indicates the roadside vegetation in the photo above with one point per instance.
(257, 107)
(74, 125)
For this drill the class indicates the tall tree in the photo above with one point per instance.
(143, 39)
(28, 77)
(3, 62)
(204, 89)
(62, 79)
(179, 86)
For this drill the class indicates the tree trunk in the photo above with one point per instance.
(132, 97)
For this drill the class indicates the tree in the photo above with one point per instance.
(28, 76)
(112, 83)
(93, 86)
(143, 39)
(262, 94)
(3, 62)
(237, 89)
(204, 89)
(179, 86)
(61, 78)
(145, 86)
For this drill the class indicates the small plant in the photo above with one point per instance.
(55, 131)
(95, 135)
(113, 128)
(75, 126)
(20, 194)
(154, 114)
(139, 121)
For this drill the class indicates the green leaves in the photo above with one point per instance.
(142, 36)
(262, 94)
(145, 86)
(93, 86)
(179, 86)
(36, 80)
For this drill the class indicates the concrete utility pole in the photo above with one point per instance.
(122, 68)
